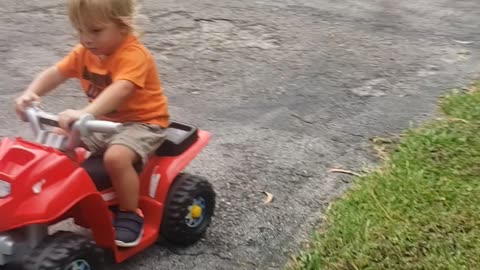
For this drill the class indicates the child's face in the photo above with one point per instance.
(102, 38)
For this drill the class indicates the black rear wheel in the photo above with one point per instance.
(189, 209)
(65, 251)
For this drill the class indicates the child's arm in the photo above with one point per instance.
(45, 82)
(109, 100)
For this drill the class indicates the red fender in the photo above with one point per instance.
(161, 171)
(45, 186)
(93, 211)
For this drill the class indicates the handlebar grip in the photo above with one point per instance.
(85, 125)
(100, 126)
(91, 125)
(48, 118)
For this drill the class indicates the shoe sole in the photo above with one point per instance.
(130, 244)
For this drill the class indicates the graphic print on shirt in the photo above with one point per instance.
(98, 82)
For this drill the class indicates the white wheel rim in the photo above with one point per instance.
(79, 265)
(195, 222)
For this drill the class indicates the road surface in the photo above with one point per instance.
(288, 88)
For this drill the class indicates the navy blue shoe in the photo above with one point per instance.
(128, 228)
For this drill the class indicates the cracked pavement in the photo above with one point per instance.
(288, 88)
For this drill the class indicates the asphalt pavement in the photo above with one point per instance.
(288, 88)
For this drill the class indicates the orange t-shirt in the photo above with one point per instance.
(132, 62)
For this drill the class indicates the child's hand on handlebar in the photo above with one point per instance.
(68, 117)
(23, 101)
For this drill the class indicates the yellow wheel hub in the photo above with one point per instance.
(196, 211)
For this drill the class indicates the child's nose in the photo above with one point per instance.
(85, 39)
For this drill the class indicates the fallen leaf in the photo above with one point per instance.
(343, 171)
(463, 42)
(269, 197)
(452, 119)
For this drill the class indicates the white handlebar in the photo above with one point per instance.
(100, 126)
(83, 127)
(90, 124)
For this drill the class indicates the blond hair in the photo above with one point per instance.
(86, 14)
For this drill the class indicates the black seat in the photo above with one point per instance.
(179, 138)
(97, 171)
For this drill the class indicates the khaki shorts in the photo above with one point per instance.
(143, 139)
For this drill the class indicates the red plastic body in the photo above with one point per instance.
(48, 187)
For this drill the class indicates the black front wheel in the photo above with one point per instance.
(65, 251)
(189, 209)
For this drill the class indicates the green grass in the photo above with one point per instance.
(421, 210)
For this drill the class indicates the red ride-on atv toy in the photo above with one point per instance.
(41, 185)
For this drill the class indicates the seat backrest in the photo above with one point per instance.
(179, 138)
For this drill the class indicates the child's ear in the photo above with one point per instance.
(124, 30)
(126, 25)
